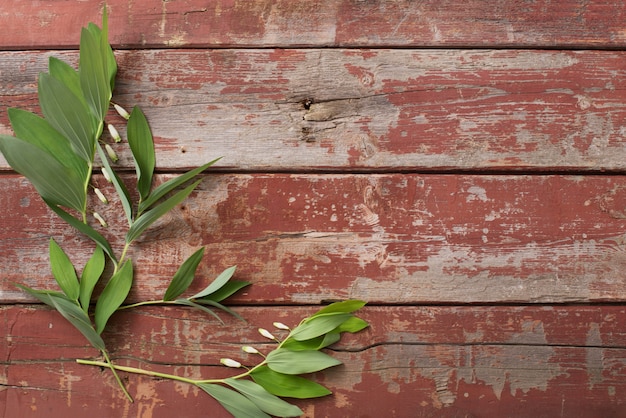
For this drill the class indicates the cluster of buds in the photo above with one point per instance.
(251, 350)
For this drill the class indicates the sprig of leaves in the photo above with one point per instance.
(258, 391)
(57, 154)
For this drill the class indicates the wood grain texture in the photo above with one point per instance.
(285, 110)
(394, 238)
(224, 23)
(413, 361)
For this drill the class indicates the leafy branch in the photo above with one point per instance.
(57, 153)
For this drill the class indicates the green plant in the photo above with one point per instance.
(57, 153)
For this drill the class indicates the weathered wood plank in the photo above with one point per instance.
(196, 23)
(413, 361)
(393, 238)
(365, 110)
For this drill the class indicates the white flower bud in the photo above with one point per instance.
(106, 175)
(121, 111)
(102, 197)
(230, 362)
(249, 350)
(116, 135)
(280, 325)
(111, 152)
(100, 219)
(266, 334)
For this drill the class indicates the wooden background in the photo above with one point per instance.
(458, 164)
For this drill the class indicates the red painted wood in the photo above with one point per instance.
(382, 110)
(395, 238)
(195, 23)
(434, 361)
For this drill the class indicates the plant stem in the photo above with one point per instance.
(150, 373)
(113, 368)
(135, 370)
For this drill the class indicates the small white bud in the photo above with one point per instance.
(106, 175)
(266, 334)
(111, 152)
(100, 219)
(102, 197)
(280, 325)
(249, 350)
(230, 362)
(116, 135)
(121, 111)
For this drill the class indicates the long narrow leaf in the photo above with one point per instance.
(79, 319)
(233, 402)
(187, 302)
(216, 284)
(84, 228)
(142, 147)
(354, 324)
(148, 218)
(319, 325)
(287, 385)
(218, 306)
(105, 48)
(89, 278)
(70, 311)
(316, 343)
(184, 276)
(120, 188)
(53, 181)
(165, 188)
(66, 113)
(229, 289)
(63, 72)
(346, 306)
(94, 77)
(267, 402)
(299, 362)
(63, 271)
(113, 295)
(36, 130)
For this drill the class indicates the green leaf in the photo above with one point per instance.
(216, 284)
(299, 362)
(287, 385)
(346, 306)
(184, 275)
(187, 302)
(79, 319)
(113, 295)
(164, 188)
(218, 305)
(67, 114)
(63, 72)
(63, 271)
(94, 77)
(352, 325)
(54, 181)
(318, 325)
(229, 289)
(148, 218)
(233, 402)
(110, 64)
(120, 188)
(142, 147)
(267, 402)
(84, 228)
(89, 278)
(316, 343)
(70, 311)
(37, 131)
